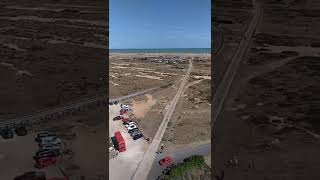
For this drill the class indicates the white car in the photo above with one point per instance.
(53, 141)
(46, 138)
(50, 147)
(129, 124)
(130, 127)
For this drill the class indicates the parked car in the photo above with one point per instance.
(38, 139)
(41, 152)
(46, 154)
(50, 143)
(32, 175)
(126, 122)
(134, 131)
(111, 103)
(117, 118)
(46, 134)
(130, 124)
(7, 134)
(137, 135)
(124, 106)
(21, 131)
(122, 112)
(50, 147)
(45, 162)
(54, 141)
(131, 130)
(48, 138)
(165, 161)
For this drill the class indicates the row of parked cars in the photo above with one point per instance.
(8, 133)
(50, 148)
(131, 126)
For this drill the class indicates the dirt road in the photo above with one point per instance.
(224, 86)
(150, 155)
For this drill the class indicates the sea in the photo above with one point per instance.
(164, 50)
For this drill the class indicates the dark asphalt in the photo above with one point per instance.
(178, 157)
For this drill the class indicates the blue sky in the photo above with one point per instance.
(159, 24)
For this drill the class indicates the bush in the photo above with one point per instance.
(188, 164)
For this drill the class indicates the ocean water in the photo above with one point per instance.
(168, 50)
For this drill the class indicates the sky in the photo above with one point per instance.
(147, 24)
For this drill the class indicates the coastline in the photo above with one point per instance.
(131, 54)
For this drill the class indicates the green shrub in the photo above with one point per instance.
(188, 164)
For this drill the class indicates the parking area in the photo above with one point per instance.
(16, 157)
(124, 165)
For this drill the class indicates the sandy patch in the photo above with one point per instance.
(140, 108)
(148, 76)
(119, 64)
(162, 73)
(119, 67)
(114, 83)
(142, 69)
(202, 77)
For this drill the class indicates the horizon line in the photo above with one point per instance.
(161, 48)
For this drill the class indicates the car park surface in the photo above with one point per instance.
(129, 159)
(16, 157)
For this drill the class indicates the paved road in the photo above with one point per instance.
(178, 157)
(150, 155)
(223, 88)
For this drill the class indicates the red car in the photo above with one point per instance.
(122, 112)
(165, 161)
(45, 162)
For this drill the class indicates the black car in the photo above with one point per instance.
(131, 130)
(117, 118)
(45, 134)
(115, 143)
(45, 151)
(134, 132)
(137, 136)
(21, 131)
(7, 134)
(110, 103)
(116, 102)
(47, 154)
(127, 122)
